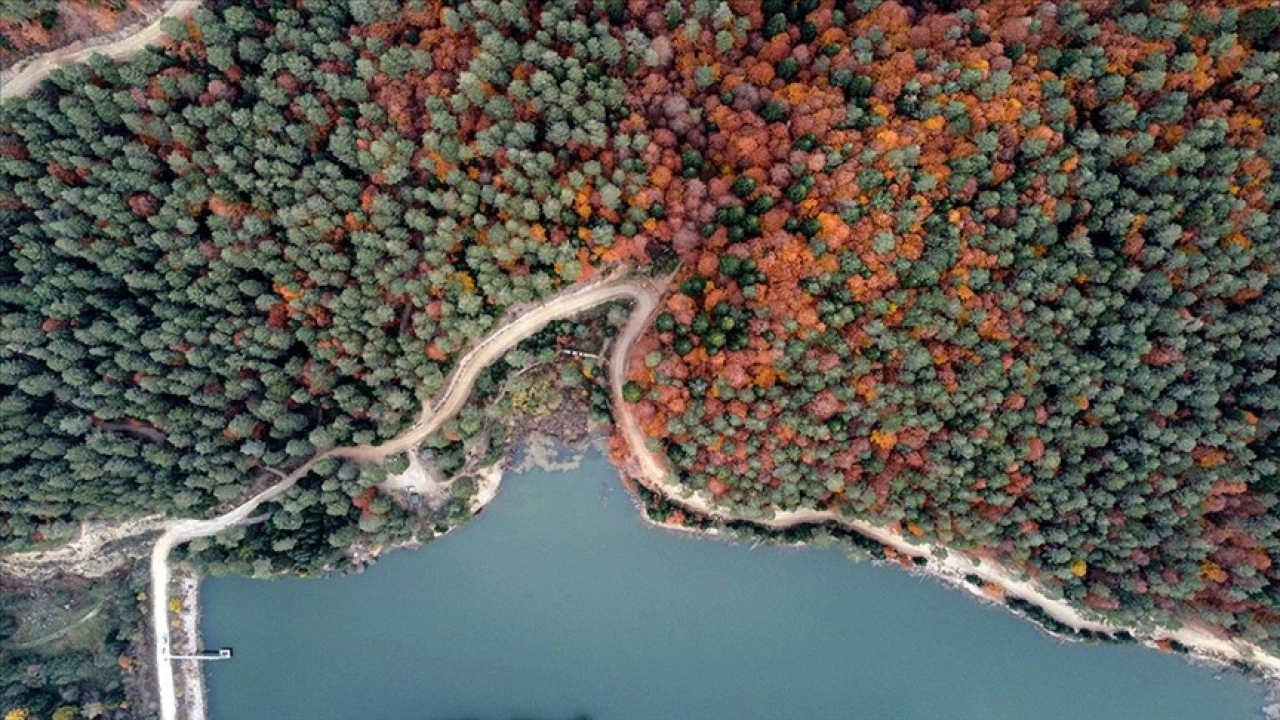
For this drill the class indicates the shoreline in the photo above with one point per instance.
(185, 624)
(945, 572)
(488, 483)
(633, 459)
(953, 576)
(953, 567)
(949, 567)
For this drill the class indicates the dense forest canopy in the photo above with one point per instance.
(1002, 274)
(75, 670)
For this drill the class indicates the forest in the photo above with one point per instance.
(1001, 275)
(67, 648)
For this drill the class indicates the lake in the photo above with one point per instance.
(559, 602)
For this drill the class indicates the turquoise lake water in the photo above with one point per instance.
(558, 602)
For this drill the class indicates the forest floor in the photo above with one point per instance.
(24, 75)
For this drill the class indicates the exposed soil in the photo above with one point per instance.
(77, 22)
(570, 423)
(22, 77)
(100, 548)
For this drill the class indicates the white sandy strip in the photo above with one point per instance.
(194, 701)
(22, 77)
(488, 482)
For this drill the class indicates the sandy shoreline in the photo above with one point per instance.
(952, 567)
(488, 482)
(185, 625)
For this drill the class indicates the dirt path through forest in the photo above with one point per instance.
(25, 75)
(452, 396)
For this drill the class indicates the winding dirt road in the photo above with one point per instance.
(452, 396)
(21, 78)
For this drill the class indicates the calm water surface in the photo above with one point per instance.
(558, 602)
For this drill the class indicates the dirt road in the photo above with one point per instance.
(21, 78)
(448, 401)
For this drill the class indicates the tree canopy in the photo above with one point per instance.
(1000, 274)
